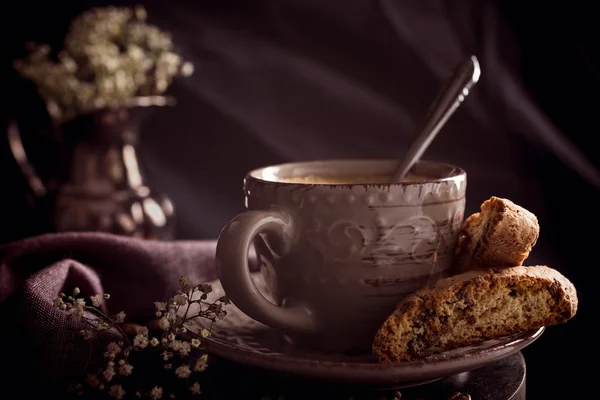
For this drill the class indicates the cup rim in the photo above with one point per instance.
(456, 172)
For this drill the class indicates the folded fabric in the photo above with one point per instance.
(135, 272)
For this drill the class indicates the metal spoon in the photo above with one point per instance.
(447, 101)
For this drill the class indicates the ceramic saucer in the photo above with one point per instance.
(241, 339)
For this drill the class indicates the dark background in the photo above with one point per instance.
(297, 80)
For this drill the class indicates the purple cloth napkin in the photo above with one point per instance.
(134, 272)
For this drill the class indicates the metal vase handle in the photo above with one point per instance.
(18, 151)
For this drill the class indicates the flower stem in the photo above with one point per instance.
(114, 324)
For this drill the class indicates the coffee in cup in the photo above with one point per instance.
(347, 179)
(339, 246)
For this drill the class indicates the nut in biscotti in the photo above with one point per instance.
(501, 235)
(473, 307)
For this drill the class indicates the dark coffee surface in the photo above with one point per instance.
(348, 179)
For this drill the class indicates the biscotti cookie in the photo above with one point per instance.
(472, 307)
(501, 235)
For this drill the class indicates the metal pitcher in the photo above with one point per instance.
(99, 185)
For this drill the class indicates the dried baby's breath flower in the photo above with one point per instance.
(117, 392)
(177, 350)
(96, 300)
(110, 55)
(183, 371)
(156, 393)
(140, 341)
(87, 334)
(195, 388)
(125, 369)
(120, 317)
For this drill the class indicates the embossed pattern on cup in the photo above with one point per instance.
(355, 250)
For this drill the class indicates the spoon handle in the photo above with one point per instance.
(448, 100)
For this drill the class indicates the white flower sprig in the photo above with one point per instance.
(178, 348)
(110, 56)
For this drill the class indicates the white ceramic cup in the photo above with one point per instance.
(338, 257)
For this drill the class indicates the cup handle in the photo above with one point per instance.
(232, 265)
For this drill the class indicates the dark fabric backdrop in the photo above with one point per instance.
(307, 79)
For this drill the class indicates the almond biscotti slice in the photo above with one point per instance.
(501, 235)
(472, 307)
